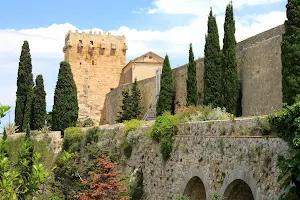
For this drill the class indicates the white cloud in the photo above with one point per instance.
(198, 7)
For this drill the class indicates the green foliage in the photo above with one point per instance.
(212, 67)
(216, 196)
(131, 104)
(166, 146)
(4, 137)
(4, 110)
(230, 90)
(88, 122)
(27, 136)
(205, 113)
(136, 101)
(182, 197)
(127, 148)
(67, 175)
(163, 131)
(39, 104)
(92, 135)
(263, 125)
(286, 122)
(191, 82)
(165, 99)
(125, 113)
(24, 95)
(290, 53)
(132, 125)
(137, 189)
(65, 108)
(287, 125)
(72, 139)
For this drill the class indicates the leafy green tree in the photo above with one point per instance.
(126, 112)
(39, 104)
(191, 82)
(65, 108)
(24, 89)
(135, 97)
(230, 82)
(286, 124)
(290, 53)
(212, 68)
(165, 99)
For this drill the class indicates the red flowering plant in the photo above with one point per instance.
(103, 183)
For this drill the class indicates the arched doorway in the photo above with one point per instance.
(238, 190)
(195, 189)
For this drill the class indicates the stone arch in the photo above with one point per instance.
(239, 185)
(195, 185)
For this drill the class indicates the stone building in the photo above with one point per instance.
(98, 63)
(142, 67)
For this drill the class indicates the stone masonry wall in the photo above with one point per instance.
(113, 99)
(218, 152)
(259, 65)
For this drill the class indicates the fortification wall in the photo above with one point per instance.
(228, 157)
(113, 99)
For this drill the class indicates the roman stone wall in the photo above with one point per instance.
(113, 101)
(259, 66)
(225, 156)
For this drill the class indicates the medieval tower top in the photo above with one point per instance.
(96, 61)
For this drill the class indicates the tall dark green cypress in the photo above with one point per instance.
(191, 82)
(135, 97)
(126, 112)
(65, 108)
(165, 98)
(212, 68)
(230, 90)
(24, 95)
(39, 104)
(290, 53)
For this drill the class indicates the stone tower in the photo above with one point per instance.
(96, 61)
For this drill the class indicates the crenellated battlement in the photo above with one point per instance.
(78, 33)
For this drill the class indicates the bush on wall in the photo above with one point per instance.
(163, 131)
(72, 139)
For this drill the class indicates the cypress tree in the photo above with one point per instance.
(191, 82)
(27, 136)
(136, 107)
(24, 94)
(290, 53)
(125, 113)
(230, 83)
(212, 69)
(39, 104)
(65, 108)
(4, 137)
(165, 98)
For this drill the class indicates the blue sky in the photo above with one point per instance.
(161, 26)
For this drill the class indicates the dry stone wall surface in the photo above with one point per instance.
(259, 66)
(217, 152)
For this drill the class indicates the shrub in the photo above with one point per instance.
(205, 113)
(132, 125)
(11, 129)
(263, 125)
(72, 139)
(166, 146)
(163, 131)
(182, 197)
(88, 122)
(92, 135)
(217, 196)
(164, 125)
